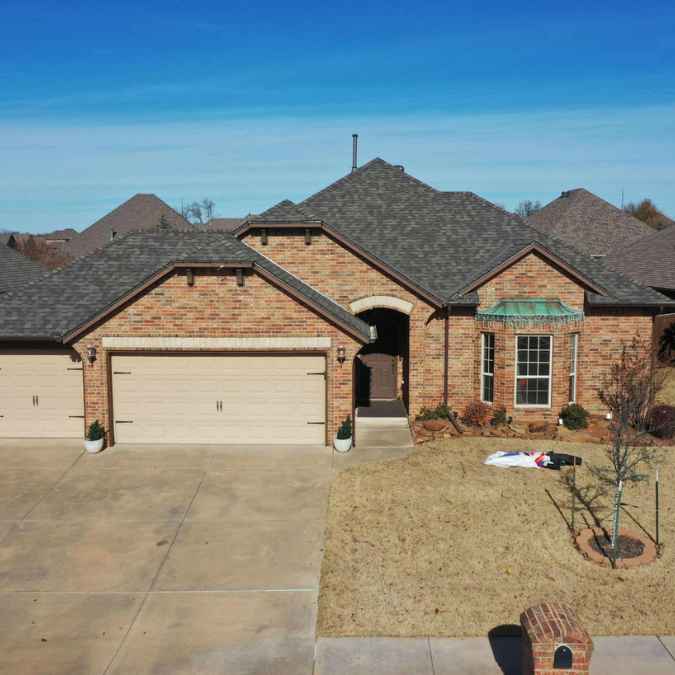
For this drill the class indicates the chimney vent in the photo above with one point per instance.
(355, 143)
(565, 193)
(400, 167)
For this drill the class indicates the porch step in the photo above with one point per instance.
(364, 422)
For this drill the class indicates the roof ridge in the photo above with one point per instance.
(347, 178)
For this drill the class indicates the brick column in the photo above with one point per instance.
(549, 628)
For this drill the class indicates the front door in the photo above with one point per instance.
(382, 368)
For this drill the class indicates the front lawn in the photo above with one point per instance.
(667, 394)
(439, 544)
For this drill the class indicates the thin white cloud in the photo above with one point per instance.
(56, 175)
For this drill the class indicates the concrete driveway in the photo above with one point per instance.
(160, 559)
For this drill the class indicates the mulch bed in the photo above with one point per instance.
(627, 547)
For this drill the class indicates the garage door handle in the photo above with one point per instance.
(121, 372)
(124, 421)
(76, 417)
(318, 373)
(316, 423)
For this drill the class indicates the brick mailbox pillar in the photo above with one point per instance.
(554, 642)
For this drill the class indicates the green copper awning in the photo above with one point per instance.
(529, 311)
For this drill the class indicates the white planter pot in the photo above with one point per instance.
(93, 446)
(342, 444)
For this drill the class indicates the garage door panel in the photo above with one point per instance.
(219, 399)
(41, 395)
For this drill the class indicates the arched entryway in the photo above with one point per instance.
(381, 367)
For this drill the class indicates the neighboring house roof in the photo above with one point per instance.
(70, 298)
(588, 222)
(441, 241)
(143, 212)
(650, 261)
(223, 224)
(59, 236)
(16, 271)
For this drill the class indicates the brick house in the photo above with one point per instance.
(377, 287)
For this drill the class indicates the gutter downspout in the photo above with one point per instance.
(445, 355)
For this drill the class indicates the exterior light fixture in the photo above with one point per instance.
(91, 354)
(341, 356)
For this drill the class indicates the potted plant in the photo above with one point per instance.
(94, 440)
(343, 438)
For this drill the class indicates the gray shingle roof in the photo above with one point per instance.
(17, 271)
(142, 212)
(650, 261)
(588, 222)
(69, 298)
(223, 224)
(444, 240)
(285, 211)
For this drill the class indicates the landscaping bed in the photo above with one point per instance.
(438, 544)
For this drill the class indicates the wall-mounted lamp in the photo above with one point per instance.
(190, 276)
(341, 356)
(91, 355)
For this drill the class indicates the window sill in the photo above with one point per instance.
(532, 406)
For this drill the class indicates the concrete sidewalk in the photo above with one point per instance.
(630, 655)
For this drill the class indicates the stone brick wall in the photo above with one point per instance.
(601, 337)
(332, 269)
(345, 277)
(532, 277)
(216, 307)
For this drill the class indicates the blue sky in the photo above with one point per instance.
(249, 103)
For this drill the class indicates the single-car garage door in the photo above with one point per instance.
(41, 395)
(201, 398)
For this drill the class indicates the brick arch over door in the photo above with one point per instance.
(381, 302)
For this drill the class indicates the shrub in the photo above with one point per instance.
(95, 432)
(345, 430)
(476, 414)
(662, 421)
(574, 416)
(499, 417)
(440, 412)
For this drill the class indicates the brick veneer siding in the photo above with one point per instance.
(216, 307)
(345, 277)
(602, 334)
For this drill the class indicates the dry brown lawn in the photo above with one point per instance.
(439, 544)
(667, 394)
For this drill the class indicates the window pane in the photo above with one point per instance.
(522, 342)
(488, 367)
(572, 389)
(488, 393)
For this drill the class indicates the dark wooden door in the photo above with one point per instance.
(382, 369)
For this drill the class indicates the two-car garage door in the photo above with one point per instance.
(203, 398)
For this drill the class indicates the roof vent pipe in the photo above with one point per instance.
(355, 143)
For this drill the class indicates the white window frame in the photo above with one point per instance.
(574, 343)
(532, 377)
(483, 374)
